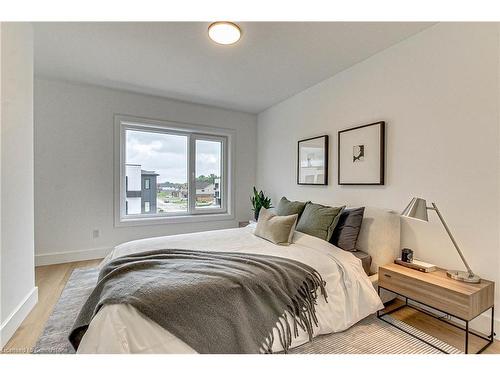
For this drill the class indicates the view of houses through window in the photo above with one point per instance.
(156, 170)
(208, 185)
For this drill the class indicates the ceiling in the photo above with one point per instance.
(271, 62)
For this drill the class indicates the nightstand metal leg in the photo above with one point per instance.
(464, 327)
(492, 323)
(466, 337)
(491, 336)
(378, 293)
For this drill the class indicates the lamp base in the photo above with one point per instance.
(463, 276)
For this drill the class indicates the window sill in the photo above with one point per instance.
(198, 218)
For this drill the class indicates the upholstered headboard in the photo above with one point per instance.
(379, 236)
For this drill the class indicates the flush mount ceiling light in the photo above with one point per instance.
(224, 32)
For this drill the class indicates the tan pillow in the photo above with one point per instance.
(277, 229)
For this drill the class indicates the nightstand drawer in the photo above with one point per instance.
(441, 298)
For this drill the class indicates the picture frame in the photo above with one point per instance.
(361, 155)
(312, 161)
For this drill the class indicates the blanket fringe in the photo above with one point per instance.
(302, 311)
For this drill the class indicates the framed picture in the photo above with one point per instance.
(361, 155)
(312, 163)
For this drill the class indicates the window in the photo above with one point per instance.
(208, 172)
(187, 169)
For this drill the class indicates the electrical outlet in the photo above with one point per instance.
(95, 233)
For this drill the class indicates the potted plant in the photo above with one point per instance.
(259, 200)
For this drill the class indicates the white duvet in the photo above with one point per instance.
(351, 296)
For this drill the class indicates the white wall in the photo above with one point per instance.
(17, 284)
(438, 91)
(74, 166)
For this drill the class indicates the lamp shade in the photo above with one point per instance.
(417, 209)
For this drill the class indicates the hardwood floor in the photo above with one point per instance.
(52, 279)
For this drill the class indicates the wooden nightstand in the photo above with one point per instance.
(457, 299)
(242, 224)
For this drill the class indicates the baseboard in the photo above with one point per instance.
(71, 256)
(14, 320)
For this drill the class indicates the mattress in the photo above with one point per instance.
(351, 296)
(366, 260)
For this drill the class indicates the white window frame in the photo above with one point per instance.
(192, 181)
(193, 132)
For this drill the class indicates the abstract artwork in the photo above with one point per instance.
(358, 153)
(361, 155)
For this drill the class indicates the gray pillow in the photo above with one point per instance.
(286, 207)
(277, 229)
(318, 220)
(347, 230)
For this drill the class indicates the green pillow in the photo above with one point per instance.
(286, 207)
(319, 221)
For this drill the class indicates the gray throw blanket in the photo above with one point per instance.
(216, 302)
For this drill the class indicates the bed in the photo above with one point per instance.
(351, 293)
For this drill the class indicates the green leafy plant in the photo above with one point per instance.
(259, 200)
